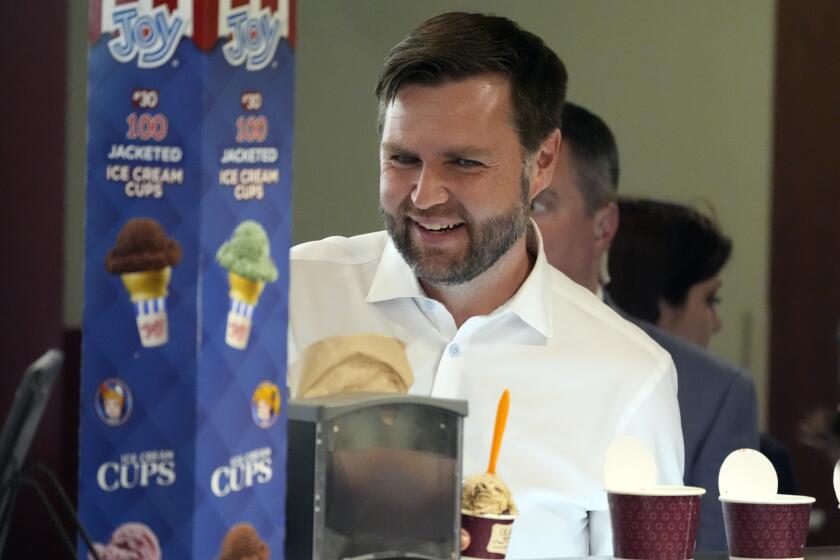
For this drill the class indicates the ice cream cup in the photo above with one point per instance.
(152, 322)
(239, 321)
(655, 523)
(772, 527)
(244, 295)
(148, 290)
(489, 535)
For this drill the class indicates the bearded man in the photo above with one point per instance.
(469, 124)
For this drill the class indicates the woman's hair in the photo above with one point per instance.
(660, 251)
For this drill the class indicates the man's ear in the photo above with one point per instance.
(543, 162)
(605, 222)
(667, 314)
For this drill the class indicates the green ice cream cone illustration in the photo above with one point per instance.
(247, 258)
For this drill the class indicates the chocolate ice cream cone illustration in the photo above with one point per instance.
(247, 258)
(242, 542)
(143, 256)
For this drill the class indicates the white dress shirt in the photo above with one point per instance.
(579, 375)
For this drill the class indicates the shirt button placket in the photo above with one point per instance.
(447, 378)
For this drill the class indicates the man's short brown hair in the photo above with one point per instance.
(594, 156)
(457, 46)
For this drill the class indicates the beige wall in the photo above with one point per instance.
(686, 87)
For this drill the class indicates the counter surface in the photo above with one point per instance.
(812, 553)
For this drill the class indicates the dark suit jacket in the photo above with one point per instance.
(718, 412)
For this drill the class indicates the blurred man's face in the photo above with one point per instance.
(569, 234)
(454, 188)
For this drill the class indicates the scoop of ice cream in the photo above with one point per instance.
(131, 541)
(248, 253)
(243, 543)
(142, 245)
(486, 494)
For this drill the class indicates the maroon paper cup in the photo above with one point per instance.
(655, 524)
(489, 535)
(776, 528)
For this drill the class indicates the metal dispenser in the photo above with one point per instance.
(374, 477)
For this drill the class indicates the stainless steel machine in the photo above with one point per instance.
(374, 477)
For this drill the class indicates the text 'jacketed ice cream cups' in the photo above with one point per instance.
(655, 523)
(488, 535)
(772, 527)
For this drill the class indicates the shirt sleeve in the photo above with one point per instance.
(653, 416)
(291, 359)
(600, 533)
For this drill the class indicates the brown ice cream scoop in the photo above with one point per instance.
(243, 543)
(142, 245)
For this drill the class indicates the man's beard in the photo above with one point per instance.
(486, 241)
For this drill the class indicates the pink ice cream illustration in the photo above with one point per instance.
(131, 541)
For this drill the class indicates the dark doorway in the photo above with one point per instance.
(805, 255)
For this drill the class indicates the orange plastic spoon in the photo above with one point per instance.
(499, 430)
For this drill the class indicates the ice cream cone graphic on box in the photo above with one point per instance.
(247, 258)
(143, 256)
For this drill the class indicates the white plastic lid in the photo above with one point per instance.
(663, 490)
(629, 465)
(773, 499)
(746, 474)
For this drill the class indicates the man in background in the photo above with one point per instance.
(578, 217)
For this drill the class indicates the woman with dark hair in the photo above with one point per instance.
(665, 265)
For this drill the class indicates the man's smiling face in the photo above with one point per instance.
(454, 192)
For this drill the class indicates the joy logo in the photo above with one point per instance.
(152, 37)
(253, 40)
(242, 471)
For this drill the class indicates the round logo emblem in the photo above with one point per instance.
(265, 404)
(114, 401)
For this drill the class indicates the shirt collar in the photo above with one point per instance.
(533, 301)
(394, 279)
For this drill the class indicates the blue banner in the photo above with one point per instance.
(183, 426)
